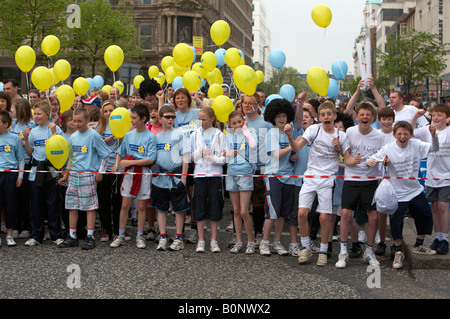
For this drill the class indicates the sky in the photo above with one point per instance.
(307, 45)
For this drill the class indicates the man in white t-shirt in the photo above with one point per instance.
(404, 112)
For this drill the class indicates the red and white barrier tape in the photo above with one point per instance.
(231, 175)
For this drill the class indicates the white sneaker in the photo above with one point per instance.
(369, 257)
(176, 245)
(192, 237)
(264, 249)
(398, 260)
(304, 256)
(342, 261)
(140, 242)
(58, 241)
(162, 244)
(362, 237)
(10, 241)
(215, 246)
(258, 240)
(279, 249)
(117, 242)
(236, 248)
(322, 260)
(32, 242)
(250, 248)
(200, 246)
(229, 227)
(25, 234)
(294, 250)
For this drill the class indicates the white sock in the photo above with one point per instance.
(445, 236)
(306, 242)
(324, 248)
(344, 248)
(73, 232)
(439, 236)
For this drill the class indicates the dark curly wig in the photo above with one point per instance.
(346, 119)
(148, 86)
(276, 107)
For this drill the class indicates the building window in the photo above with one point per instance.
(145, 36)
(147, 2)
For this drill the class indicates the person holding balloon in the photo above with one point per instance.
(12, 156)
(44, 190)
(88, 153)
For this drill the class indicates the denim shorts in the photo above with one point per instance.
(238, 183)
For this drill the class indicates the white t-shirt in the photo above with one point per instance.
(438, 163)
(407, 113)
(365, 145)
(388, 137)
(404, 162)
(323, 158)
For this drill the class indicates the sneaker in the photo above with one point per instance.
(58, 241)
(69, 242)
(435, 244)
(89, 243)
(356, 251)
(15, 233)
(192, 237)
(370, 258)
(423, 250)
(152, 234)
(322, 260)
(362, 237)
(304, 255)
(442, 249)
(10, 241)
(162, 244)
(176, 245)
(188, 220)
(127, 237)
(264, 249)
(314, 248)
(342, 261)
(258, 239)
(140, 242)
(117, 242)
(294, 250)
(398, 260)
(32, 242)
(215, 246)
(250, 248)
(200, 247)
(25, 234)
(237, 248)
(381, 249)
(229, 227)
(279, 249)
(105, 236)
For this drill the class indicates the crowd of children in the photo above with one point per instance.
(175, 156)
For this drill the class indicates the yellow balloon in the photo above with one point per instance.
(318, 80)
(322, 15)
(25, 58)
(57, 150)
(55, 79)
(232, 57)
(160, 78)
(42, 78)
(81, 86)
(166, 62)
(215, 77)
(214, 91)
(113, 57)
(209, 61)
(183, 55)
(170, 74)
(259, 77)
(220, 32)
(119, 85)
(192, 81)
(50, 45)
(222, 106)
(107, 88)
(198, 67)
(120, 122)
(179, 70)
(153, 71)
(245, 79)
(62, 69)
(66, 96)
(137, 81)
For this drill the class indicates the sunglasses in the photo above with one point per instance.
(170, 117)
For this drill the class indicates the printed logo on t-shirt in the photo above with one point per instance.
(5, 148)
(136, 148)
(163, 147)
(80, 149)
(40, 143)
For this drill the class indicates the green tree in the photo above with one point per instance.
(101, 26)
(412, 57)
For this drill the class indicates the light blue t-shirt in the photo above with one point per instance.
(18, 128)
(141, 145)
(259, 127)
(87, 150)
(282, 166)
(187, 118)
(113, 146)
(38, 138)
(11, 151)
(169, 156)
(239, 164)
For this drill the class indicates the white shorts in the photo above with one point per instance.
(323, 188)
(144, 190)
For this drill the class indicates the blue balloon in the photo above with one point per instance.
(272, 97)
(91, 83)
(287, 91)
(339, 69)
(195, 53)
(333, 88)
(277, 58)
(177, 83)
(220, 55)
(98, 81)
(1, 86)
